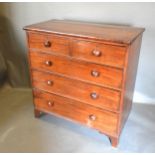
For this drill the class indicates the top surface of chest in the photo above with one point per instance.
(104, 32)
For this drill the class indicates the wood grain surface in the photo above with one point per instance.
(109, 55)
(109, 33)
(80, 112)
(57, 44)
(74, 89)
(81, 70)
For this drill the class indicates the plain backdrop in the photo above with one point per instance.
(13, 50)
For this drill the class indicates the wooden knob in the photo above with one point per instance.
(96, 53)
(50, 103)
(50, 82)
(92, 117)
(95, 73)
(94, 95)
(48, 63)
(47, 44)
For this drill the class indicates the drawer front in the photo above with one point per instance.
(97, 74)
(99, 53)
(87, 93)
(93, 117)
(49, 43)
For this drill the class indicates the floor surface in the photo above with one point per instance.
(21, 132)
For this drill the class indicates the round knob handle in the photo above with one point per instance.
(47, 44)
(96, 53)
(48, 63)
(92, 117)
(50, 103)
(50, 82)
(95, 73)
(94, 95)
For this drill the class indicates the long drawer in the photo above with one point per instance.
(80, 91)
(93, 117)
(89, 72)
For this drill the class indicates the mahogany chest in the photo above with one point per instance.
(84, 72)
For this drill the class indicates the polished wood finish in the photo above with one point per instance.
(82, 113)
(114, 141)
(99, 53)
(84, 72)
(37, 113)
(130, 78)
(49, 43)
(92, 73)
(106, 98)
(103, 32)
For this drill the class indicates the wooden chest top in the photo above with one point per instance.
(108, 33)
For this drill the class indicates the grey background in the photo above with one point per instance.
(13, 51)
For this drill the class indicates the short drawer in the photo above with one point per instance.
(84, 92)
(93, 73)
(99, 53)
(93, 117)
(49, 43)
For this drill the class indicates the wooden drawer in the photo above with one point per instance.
(93, 117)
(87, 93)
(99, 53)
(49, 43)
(97, 74)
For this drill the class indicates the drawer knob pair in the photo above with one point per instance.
(95, 73)
(47, 44)
(50, 103)
(92, 117)
(94, 95)
(50, 83)
(96, 53)
(48, 63)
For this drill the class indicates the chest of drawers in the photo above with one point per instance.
(84, 72)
